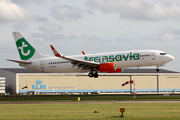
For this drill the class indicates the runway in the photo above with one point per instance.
(89, 102)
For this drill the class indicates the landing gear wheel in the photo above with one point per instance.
(93, 73)
(96, 75)
(90, 75)
(157, 70)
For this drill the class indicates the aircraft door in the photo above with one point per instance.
(153, 55)
(42, 65)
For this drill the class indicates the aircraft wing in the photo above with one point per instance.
(82, 64)
(20, 61)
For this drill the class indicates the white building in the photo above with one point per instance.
(2, 85)
(146, 81)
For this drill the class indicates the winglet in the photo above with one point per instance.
(83, 52)
(55, 52)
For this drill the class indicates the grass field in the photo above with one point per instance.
(114, 97)
(85, 111)
(109, 111)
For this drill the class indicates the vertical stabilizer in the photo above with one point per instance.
(26, 51)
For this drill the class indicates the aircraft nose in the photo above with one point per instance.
(170, 57)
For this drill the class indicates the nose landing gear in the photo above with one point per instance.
(157, 69)
(93, 73)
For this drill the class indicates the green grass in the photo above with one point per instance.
(56, 98)
(85, 111)
(110, 111)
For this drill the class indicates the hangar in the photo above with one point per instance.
(20, 80)
(2, 85)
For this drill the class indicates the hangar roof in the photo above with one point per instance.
(24, 70)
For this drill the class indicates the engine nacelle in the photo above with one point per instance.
(109, 67)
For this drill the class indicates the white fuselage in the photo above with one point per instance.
(124, 59)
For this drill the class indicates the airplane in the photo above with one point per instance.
(111, 62)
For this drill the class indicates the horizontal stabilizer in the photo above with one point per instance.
(20, 61)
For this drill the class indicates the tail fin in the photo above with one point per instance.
(26, 51)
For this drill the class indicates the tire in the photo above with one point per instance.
(96, 75)
(90, 75)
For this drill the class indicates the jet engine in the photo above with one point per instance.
(109, 67)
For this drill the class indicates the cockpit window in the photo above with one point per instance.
(163, 53)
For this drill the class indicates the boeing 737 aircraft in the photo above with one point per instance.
(111, 62)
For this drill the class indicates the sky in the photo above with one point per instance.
(93, 26)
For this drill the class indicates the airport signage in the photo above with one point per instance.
(39, 85)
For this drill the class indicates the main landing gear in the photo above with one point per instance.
(93, 73)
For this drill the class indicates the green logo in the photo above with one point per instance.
(112, 58)
(26, 51)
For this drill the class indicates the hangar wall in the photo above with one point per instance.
(72, 83)
(10, 80)
(169, 82)
(80, 82)
(145, 83)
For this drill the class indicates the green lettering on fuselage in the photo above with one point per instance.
(136, 56)
(91, 58)
(104, 58)
(118, 58)
(131, 56)
(112, 58)
(126, 57)
(97, 59)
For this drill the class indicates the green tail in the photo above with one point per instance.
(26, 51)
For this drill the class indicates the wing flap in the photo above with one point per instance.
(20, 61)
(77, 62)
